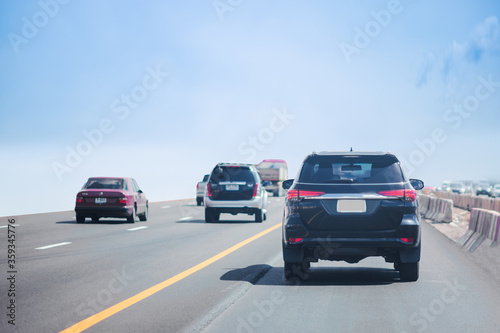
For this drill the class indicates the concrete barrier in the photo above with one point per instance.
(469, 201)
(483, 225)
(436, 209)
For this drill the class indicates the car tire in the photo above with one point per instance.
(264, 217)
(198, 201)
(408, 272)
(144, 216)
(211, 215)
(258, 216)
(80, 218)
(95, 219)
(131, 218)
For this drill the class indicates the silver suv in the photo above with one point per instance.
(235, 188)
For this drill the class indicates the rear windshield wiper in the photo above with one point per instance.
(340, 181)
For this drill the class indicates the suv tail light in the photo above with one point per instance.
(209, 190)
(255, 190)
(407, 195)
(292, 194)
(295, 240)
(407, 240)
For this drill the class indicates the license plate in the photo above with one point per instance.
(100, 200)
(351, 206)
(232, 187)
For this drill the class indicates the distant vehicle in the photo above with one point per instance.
(347, 206)
(428, 189)
(200, 190)
(445, 186)
(457, 187)
(495, 191)
(235, 188)
(111, 197)
(483, 189)
(273, 172)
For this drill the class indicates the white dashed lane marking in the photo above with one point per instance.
(138, 228)
(51, 246)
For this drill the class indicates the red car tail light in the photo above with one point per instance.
(79, 200)
(301, 193)
(407, 195)
(123, 200)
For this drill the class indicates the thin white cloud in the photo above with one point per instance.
(449, 64)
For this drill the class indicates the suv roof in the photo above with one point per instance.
(352, 153)
(234, 164)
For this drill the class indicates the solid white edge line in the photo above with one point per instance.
(138, 228)
(51, 246)
(186, 218)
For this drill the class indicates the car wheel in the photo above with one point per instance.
(198, 202)
(264, 217)
(258, 215)
(95, 219)
(408, 271)
(211, 215)
(131, 218)
(144, 216)
(80, 218)
(296, 271)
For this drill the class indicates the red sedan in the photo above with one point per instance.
(111, 197)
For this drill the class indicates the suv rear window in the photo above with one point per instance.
(351, 169)
(232, 174)
(104, 183)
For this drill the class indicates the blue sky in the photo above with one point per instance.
(163, 91)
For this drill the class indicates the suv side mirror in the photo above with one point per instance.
(140, 191)
(287, 184)
(417, 184)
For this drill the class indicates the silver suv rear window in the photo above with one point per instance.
(232, 174)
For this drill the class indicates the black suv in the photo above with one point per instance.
(347, 206)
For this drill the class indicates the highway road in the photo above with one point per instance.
(176, 273)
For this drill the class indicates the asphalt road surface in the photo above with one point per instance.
(176, 273)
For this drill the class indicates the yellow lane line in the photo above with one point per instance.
(100, 316)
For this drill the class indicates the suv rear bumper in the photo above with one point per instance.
(242, 205)
(351, 246)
